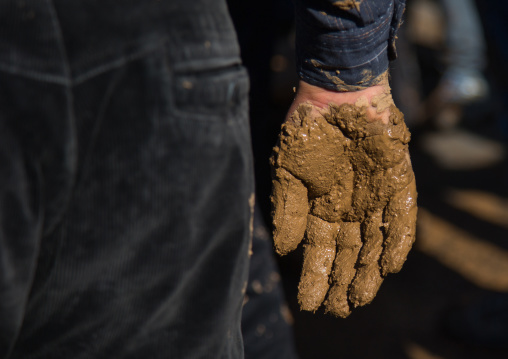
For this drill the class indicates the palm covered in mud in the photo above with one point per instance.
(345, 184)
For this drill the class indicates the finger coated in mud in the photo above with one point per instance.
(348, 247)
(372, 235)
(337, 303)
(400, 216)
(319, 254)
(289, 211)
(365, 285)
(368, 276)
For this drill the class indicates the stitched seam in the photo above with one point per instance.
(87, 75)
(95, 71)
(34, 75)
(70, 106)
(98, 124)
(72, 128)
(359, 65)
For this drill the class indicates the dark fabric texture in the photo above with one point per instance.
(345, 45)
(266, 319)
(125, 180)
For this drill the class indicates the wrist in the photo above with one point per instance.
(376, 98)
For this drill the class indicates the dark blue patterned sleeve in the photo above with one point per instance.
(346, 45)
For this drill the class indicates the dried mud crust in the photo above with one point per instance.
(346, 184)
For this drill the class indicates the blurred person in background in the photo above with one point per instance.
(496, 28)
(445, 37)
(483, 322)
(126, 177)
(465, 58)
(441, 84)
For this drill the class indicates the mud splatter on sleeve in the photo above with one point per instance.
(346, 45)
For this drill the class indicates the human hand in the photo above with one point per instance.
(343, 177)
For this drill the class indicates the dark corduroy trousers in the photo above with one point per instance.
(126, 185)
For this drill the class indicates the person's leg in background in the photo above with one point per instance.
(494, 14)
(463, 81)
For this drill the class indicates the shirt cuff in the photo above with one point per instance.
(346, 45)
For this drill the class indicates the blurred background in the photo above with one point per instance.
(451, 298)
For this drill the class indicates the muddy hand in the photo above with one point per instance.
(345, 183)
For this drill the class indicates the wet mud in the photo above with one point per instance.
(348, 4)
(344, 185)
